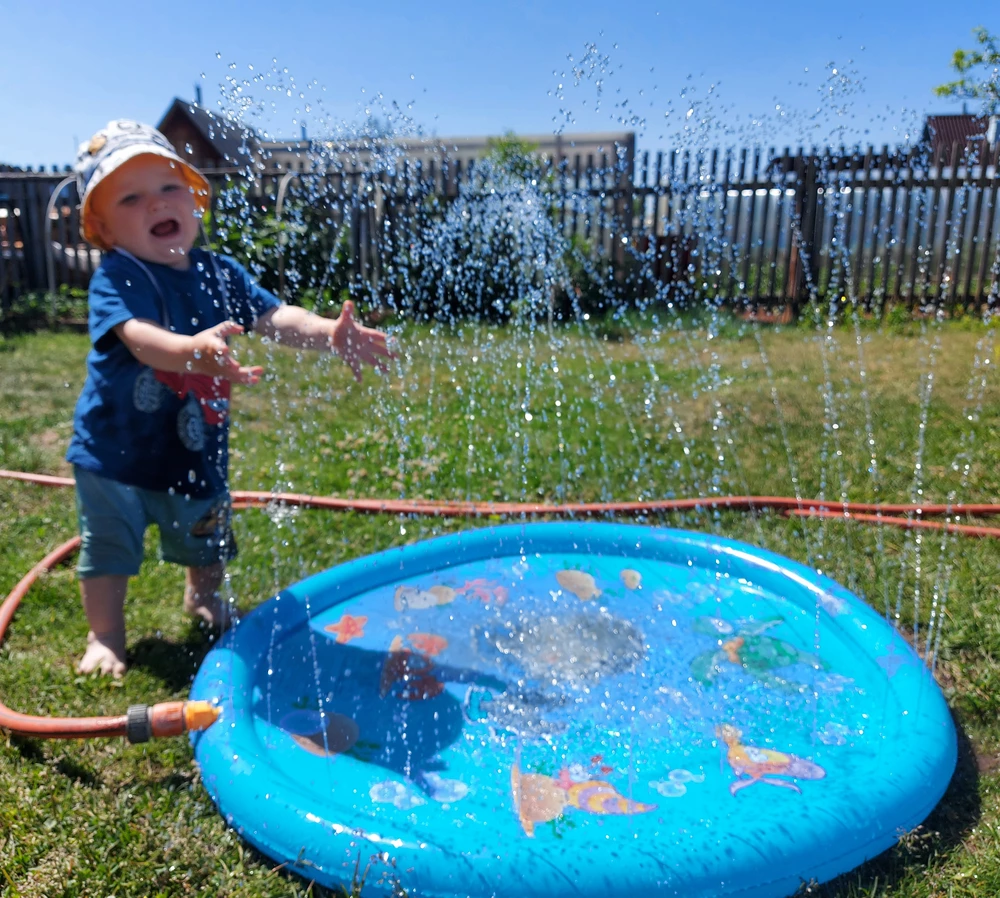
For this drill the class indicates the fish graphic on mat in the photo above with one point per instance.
(632, 579)
(764, 765)
(412, 597)
(539, 798)
(580, 583)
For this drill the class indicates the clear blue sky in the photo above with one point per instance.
(483, 68)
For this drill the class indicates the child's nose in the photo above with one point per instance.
(157, 201)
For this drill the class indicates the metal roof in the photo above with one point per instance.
(226, 136)
(945, 130)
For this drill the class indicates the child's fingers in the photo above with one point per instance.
(250, 374)
(382, 350)
(231, 369)
(244, 374)
(376, 356)
(377, 353)
(226, 328)
(376, 341)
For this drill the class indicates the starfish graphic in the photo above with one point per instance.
(348, 628)
(428, 644)
(891, 662)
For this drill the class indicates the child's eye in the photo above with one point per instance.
(129, 200)
(170, 188)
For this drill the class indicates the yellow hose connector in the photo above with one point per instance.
(169, 719)
(200, 715)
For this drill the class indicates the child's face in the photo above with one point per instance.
(147, 208)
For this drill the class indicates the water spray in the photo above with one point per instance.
(143, 722)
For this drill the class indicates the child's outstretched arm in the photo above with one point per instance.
(203, 353)
(356, 344)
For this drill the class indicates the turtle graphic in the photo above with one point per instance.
(745, 645)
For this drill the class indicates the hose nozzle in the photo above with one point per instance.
(200, 715)
(168, 719)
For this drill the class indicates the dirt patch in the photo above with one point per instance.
(53, 442)
(986, 762)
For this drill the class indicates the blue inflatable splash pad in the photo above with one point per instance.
(572, 709)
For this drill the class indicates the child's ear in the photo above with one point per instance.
(100, 227)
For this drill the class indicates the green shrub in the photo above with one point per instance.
(37, 309)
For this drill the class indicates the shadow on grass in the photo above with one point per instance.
(30, 749)
(173, 663)
(375, 871)
(72, 769)
(942, 832)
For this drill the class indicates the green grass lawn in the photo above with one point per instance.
(504, 414)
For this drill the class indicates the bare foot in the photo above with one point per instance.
(106, 656)
(213, 610)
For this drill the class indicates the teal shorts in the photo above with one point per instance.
(113, 518)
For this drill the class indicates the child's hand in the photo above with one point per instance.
(358, 345)
(211, 355)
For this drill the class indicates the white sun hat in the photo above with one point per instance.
(112, 147)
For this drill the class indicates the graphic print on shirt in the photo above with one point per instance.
(191, 426)
(207, 401)
(148, 392)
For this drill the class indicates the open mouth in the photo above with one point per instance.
(169, 228)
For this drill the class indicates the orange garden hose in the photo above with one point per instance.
(905, 523)
(458, 508)
(174, 718)
(140, 722)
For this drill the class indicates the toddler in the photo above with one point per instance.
(150, 432)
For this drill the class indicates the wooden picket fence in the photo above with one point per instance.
(750, 227)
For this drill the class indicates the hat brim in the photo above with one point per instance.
(199, 185)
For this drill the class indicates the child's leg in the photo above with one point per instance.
(202, 599)
(103, 603)
(112, 523)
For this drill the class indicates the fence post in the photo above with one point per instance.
(804, 226)
(50, 262)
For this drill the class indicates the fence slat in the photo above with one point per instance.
(892, 241)
(859, 256)
(947, 274)
(983, 157)
(986, 255)
(914, 229)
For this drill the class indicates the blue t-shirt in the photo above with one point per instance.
(151, 429)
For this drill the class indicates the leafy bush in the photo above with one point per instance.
(37, 309)
(303, 257)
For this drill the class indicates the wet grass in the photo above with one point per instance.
(504, 415)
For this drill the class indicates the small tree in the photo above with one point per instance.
(980, 73)
(515, 156)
